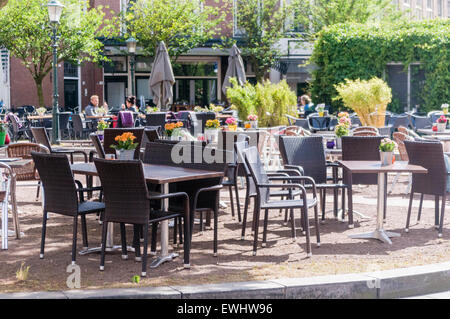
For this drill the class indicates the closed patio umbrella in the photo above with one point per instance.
(235, 69)
(161, 78)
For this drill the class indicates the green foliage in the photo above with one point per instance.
(181, 24)
(315, 15)
(268, 100)
(26, 32)
(262, 23)
(352, 51)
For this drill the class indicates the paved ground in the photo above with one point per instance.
(282, 257)
(440, 295)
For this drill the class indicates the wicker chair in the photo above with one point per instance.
(41, 137)
(127, 201)
(156, 119)
(430, 155)
(399, 138)
(111, 133)
(98, 146)
(263, 188)
(365, 128)
(360, 148)
(63, 195)
(27, 172)
(365, 133)
(309, 154)
(19, 128)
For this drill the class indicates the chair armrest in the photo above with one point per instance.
(215, 188)
(297, 178)
(83, 153)
(81, 189)
(288, 186)
(296, 167)
(165, 196)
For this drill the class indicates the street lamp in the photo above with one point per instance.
(54, 12)
(131, 46)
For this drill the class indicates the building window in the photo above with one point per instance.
(237, 30)
(439, 8)
(70, 70)
(118, 64)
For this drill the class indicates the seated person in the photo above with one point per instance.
(130, 104)
(307, 104)
(91, 109)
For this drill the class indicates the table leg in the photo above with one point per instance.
(379, 233)
(165, 256)
(5, 215)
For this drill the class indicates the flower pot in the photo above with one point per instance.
(100, 135)
(125, 155)
(175, 138)
(321, 114)
(330, 144)
(445, 110)
(211, 135)
(339, 143)
(386, 158)
(441, 127)
(2, 137)
(254, 124)
(232, 127)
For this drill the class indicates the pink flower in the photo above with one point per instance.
(231, 121)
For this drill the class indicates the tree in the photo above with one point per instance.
(26, 32)
(313, 15)
(261, 24)
(182, 24)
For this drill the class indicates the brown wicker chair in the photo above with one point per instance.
(63, 195)
(364, 133)
(41, 137)
(127, 201)
(399, 138)
(27, 172)
(365, 128)
(111, 133)
(98, 145)
(431, 156)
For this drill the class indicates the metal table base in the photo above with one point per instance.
(379, 234)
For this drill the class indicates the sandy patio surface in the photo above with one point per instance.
(282, 257)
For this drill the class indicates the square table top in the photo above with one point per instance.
(156, 174)
(429, 131)
(375, 167)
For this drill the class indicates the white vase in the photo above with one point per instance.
(339, 143)
(441, 127)
(386, 158)
(211, 135)
(254, 124)
(125, 155)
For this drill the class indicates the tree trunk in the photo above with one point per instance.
(40, 92)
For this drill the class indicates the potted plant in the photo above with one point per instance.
(41, 111)
(253, 120)
(342, 128)
(215, 108)
(320, 108)
(212, 130)
(441, 123)
(101, 111)
(444, 108)
(173, 130)
(101, 128)
(232, 123)
(387, 147)
(3, 131)
(368, 99)
(150, 109)
(125, 146)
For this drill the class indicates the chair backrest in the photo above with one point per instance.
(307, 152)
(319, 122)
(240, 146)
(41, 137)
(258, 173)
(303, 123)
(156, 119)
(64, 120)
(78, 123)
(98, 145)
(60, 194)
(125, 191)
(361, 148)
(399, 138)
(434, 115)
(365, 128)
(355, 119)
(111, 133)
(203, 117)
(399, 120)
(429, 155)
(151, 134)
(126, 119)
(365, 133)
(420, 122)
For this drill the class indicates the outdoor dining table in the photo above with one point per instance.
(428, 131)
(155, 174)
(39, 117)
(444, 139)
(98, 117)
(353, 167)
(9, 190)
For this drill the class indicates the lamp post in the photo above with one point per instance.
(131, 46)
(54, 12)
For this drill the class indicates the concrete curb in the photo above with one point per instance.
(396, 283)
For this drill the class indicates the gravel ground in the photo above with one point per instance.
(282, 257)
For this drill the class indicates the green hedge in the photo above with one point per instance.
(362, 51)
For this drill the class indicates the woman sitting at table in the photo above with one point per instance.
(307, 105)
(130, 104)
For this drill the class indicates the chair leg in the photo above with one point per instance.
(343, 203)
(236, 188)
(180, 229)
(411, 196)
(293, 234)
(154, 235)
(44, 230)
(137, 244)
(308, 240)
(256, 221)
(335, 202)
(350, 206)
(316, 220)
(175, 230)
(123, 237)
(244, 218)
(266, 217)
(103, 248)
(201, 221)
(187, 241)
(38, 189)
(324, 200)
(84, 231)
(420, 207)
(436, 212)
(74, 239)
(216, 217)
(321, 203)
(441, 223)
(231, 200)
(144, 261)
